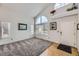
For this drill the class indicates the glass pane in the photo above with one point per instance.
(40, 25)
(41, 29)
(58, 5)
(38, 20)
(38, 29)
(44, 19)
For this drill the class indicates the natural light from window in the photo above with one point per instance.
(58, 5)
(41, 25)
(41, 19)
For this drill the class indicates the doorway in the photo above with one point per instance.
(68, 30)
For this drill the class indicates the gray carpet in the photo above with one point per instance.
(30, 47)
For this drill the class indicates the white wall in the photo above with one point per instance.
(8, 15)
(46, 12)
(52, 35)
(78, 31)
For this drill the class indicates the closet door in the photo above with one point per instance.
(68, 31)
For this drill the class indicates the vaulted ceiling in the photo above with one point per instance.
(23, 9)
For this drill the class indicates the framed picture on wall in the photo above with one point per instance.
(53, 25)
(22, 26)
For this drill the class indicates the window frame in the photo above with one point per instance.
(41, 24)
(41, 20)
(65, 4)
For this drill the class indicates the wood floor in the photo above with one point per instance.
(53, 51)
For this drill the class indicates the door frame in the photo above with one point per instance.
(75, 30)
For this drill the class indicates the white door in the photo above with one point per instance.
(68, 31)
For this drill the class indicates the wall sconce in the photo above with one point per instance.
(53, 12)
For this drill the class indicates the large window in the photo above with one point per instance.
(41, 25)
(58, 5)
(41, 19)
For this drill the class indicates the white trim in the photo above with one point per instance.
(63, 5)
(68, 13)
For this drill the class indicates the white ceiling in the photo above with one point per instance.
(25, 9)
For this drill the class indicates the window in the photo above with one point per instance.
(44, 19)
(41, 19)
(41, 24)
(4, 29)
(58, 5)
(38, 20)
